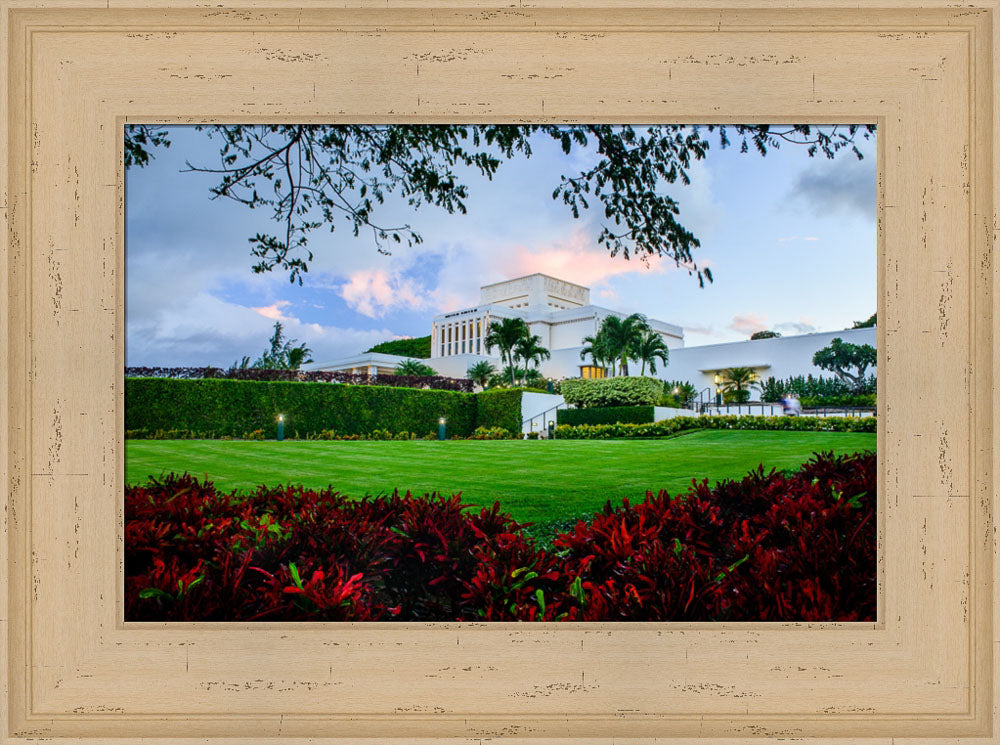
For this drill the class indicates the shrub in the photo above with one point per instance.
(733, 396)
(669, 427)
(235, 407)
(167, 434)
(769, 547)
(605, 415)
(302, 376)
(492, 433)
(821, 391)
(818, 402)
(623, 391)
(499, 408)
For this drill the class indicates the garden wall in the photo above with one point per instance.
(606, 415)
(235, 408)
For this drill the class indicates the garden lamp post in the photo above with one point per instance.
(677, 394)
(441, 431)
(718, 390)
(281, 427)
(552, 430)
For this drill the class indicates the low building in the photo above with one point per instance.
(779, 357)
(561, 314)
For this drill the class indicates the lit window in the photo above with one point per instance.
(592, 371)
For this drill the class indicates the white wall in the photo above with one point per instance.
(457, 365)
(538, 405)
(569, 334)
(665, 412)
(781, 357)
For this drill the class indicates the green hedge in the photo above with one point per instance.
(586, 393)
(606, 415)
(234, 407)
(499, 407)
(681, 423)
(818, 402)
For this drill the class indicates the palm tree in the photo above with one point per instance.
(533, 378)
(503, 378)
(481, 372)
(298, 356)
(505, 335)
(738, 380)
(596, 347)
(650, 348)
(683, 391)
(414, 367)
(529, 348)
(623, 335)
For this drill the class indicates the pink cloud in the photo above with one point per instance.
(748, 323)
(273, 311)
(374, 292)
(579, 260)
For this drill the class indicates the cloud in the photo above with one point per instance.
(273, 311)
(843, 186)
(802, 326)
(376, 292)
(699, 329)
(576, 259)
(209, 331)
(748, 323)
(798, 238)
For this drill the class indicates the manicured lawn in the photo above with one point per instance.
(536, 481)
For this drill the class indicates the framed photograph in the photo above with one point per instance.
(174, 568)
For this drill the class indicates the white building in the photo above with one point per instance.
(561, 314)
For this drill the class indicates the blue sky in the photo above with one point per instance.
(790, 241)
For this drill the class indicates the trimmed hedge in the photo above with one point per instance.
(172, 408)
(606, 415)
(586, 393)
(234, 407)
(819, 402)
(499, 407)
(678, 424)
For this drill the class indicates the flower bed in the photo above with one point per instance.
(437, 382)
(774, 547)
(669, 427)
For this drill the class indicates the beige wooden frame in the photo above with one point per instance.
(77, 69)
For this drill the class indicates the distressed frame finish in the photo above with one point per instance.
(78, 69)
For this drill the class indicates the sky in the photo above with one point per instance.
(790, 240)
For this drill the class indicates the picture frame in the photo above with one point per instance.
(78, 70)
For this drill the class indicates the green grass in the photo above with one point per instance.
(545, 482)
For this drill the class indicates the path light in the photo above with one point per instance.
(441, 423)
(552, 430)
(281, 427)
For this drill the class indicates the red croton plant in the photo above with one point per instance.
(769, 547)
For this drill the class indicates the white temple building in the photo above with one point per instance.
(561, 314)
